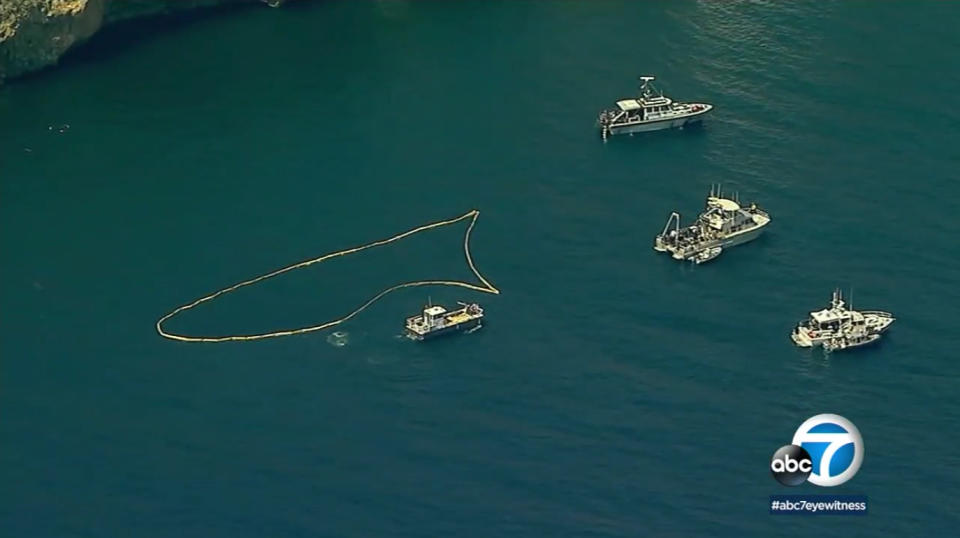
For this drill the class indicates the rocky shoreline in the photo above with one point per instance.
(34, 34)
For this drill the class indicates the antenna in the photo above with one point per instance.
(646, 81)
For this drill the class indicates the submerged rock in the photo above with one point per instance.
(35, 33)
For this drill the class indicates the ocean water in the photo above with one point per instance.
(613, 392)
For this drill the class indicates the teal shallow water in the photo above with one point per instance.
(613, 392)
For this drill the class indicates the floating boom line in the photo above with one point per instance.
(486, 286)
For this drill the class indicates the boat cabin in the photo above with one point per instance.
(644, 108)
(828, 320)
(833, 318)
(432, 314)
(726, 216)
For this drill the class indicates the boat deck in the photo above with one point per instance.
(421, 327)
(460, 317)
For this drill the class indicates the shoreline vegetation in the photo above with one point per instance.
(35, 34)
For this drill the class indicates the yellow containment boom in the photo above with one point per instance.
(486, 286)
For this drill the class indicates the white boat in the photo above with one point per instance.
(724, 223)
(839, 322)
(650, 111)
(436, 320)
(706, 255)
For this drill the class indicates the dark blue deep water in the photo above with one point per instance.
(612, 393)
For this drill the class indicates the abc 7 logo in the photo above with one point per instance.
(791, 465)
(837, 452)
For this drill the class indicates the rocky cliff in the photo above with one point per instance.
(35, 33)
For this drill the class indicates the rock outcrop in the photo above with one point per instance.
(35, 33)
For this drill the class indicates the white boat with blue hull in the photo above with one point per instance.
(650, 111)
(724, 223)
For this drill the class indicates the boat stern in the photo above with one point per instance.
(801, 337)
(659, 244)
(413, 330)
(413, 335)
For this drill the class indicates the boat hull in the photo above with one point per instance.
(674, 122)
(741, 238)
(870, 340)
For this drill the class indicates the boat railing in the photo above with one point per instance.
(621, 118)
(879, 313)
